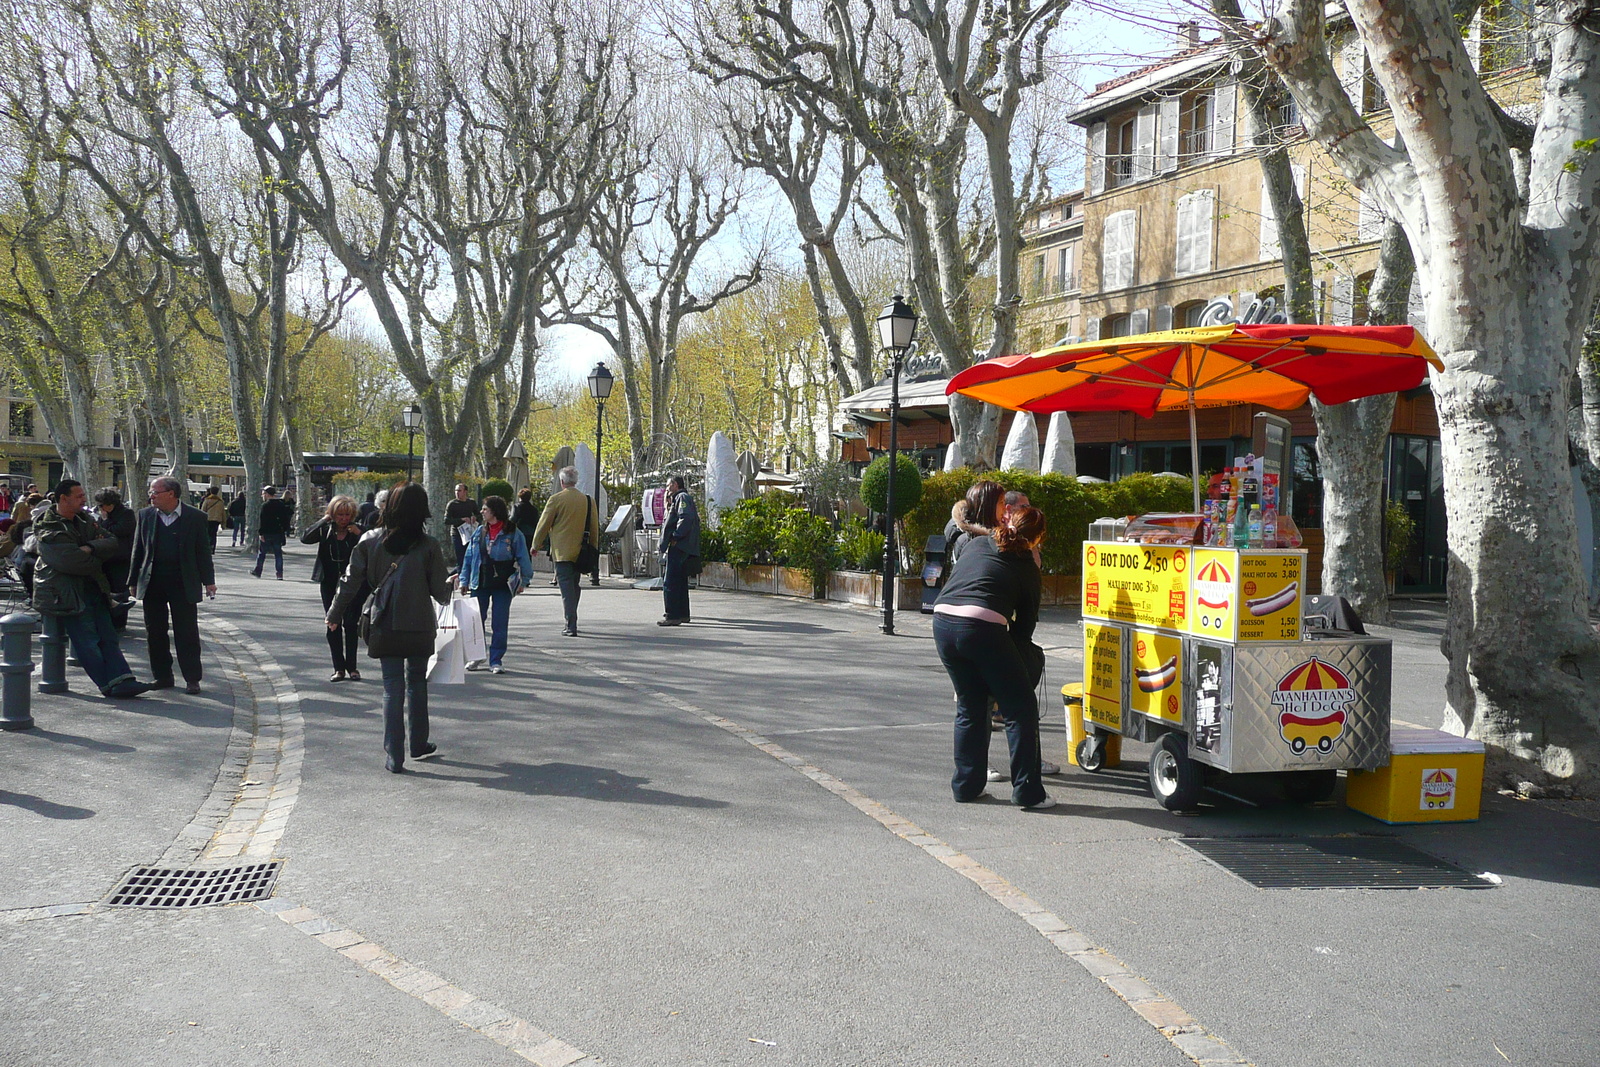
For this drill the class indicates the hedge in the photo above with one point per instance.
(1068, 507)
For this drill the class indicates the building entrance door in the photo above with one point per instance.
(1416, 482)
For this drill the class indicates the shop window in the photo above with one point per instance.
(1116, 326)
(1187, 315)
(23, 467)
(1307, 506)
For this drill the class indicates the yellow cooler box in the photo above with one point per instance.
(1432, 777)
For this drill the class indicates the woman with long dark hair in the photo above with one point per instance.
(336, 535)
(983, 626)
(495, 567)
(404, 570)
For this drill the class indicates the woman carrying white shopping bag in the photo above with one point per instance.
(449, 663)
(495, 568)
(405, 570)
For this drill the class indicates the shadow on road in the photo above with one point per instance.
(81, 742)
(575, 780)
(48, 808)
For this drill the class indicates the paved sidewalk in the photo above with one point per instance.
(727, 843)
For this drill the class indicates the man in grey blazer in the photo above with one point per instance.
(171, 567)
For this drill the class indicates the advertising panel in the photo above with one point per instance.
(1144, 585)
(1102, 692)
(1156, 683)
(1216, 594)
(1270, 589)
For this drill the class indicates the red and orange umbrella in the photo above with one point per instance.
(1277, 366)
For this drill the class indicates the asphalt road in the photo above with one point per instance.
(691, 846)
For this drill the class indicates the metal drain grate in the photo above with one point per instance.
(195, 887)
(1331, 863)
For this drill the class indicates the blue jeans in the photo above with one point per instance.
(405, 681)
(273, 544)
(94, 642)
(675, 584)
(496, 622)
(983, 661)
(567, 578)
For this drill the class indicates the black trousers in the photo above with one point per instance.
(342, 642)
(164, 602)
(675, 585)
(983, 662)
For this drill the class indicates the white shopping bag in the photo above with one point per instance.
(471, 622)
(449, 664)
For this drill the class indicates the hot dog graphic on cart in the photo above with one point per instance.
(1313, 700)
(1213, 598)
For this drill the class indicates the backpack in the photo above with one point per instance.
(377, 617)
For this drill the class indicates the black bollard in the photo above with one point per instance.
(16, 663)
(53, 660)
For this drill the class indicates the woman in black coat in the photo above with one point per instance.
(118, 520)
(983, 626)
(335, 535)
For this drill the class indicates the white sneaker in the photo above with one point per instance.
(1043, 805)
(477, 665)
(996, 776)
(497, 669)
(1046, 767)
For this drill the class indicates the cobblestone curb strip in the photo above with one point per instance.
(1153, 1006)
(481, 1016)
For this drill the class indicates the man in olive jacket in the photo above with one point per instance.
(171, 567)
(70, 587)
(566, 517)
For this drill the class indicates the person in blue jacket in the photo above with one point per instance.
(495, 567)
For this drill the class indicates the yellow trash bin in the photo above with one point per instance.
(1072, 699)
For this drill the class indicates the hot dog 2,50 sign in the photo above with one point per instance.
(1269, 596)
(1146, 585)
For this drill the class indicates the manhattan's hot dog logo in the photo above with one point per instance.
(1213, 592)
(1312, 701)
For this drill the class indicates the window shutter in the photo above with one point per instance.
(1144, 142)
(1139, 321)
(1342, 305)
(1194, 232)
(1370, 219)
(1242, 306)
(1223, 103)
(1091, 329)
(1352, 60)
(1270, 248)
(1117, 251)
(1097, 159)
(1167, 160)
(1163, 317)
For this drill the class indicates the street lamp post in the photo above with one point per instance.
(600, 383)
(897, 325)
(412, 417)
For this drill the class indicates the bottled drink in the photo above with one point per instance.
(1254, 526)
(1269, 527)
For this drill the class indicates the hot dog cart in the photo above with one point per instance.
(1205, 652)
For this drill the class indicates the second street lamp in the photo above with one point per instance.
(600, 383)
(897, 325)
(412, 418)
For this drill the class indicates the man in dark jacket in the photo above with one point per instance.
(116, 518)
(275, 525)
(71, 591)
(680, 547)
(171, 565)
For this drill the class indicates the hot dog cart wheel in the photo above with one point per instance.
(1176, 781)
(1091, 753)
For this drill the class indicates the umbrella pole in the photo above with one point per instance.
(1194, 453)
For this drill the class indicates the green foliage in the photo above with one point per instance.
(358, 484)
(1399, 530)
(498, 487)
(907, 485)
(713, 545)
(750, 529)
(1068, 506)
(860, 547)
(828, 483)
(806, 542)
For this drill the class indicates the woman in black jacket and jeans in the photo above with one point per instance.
(983, 626)
(335, 535)
(404, 614)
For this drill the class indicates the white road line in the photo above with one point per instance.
(1151, 1005)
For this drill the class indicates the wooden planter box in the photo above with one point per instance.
(848, 587)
